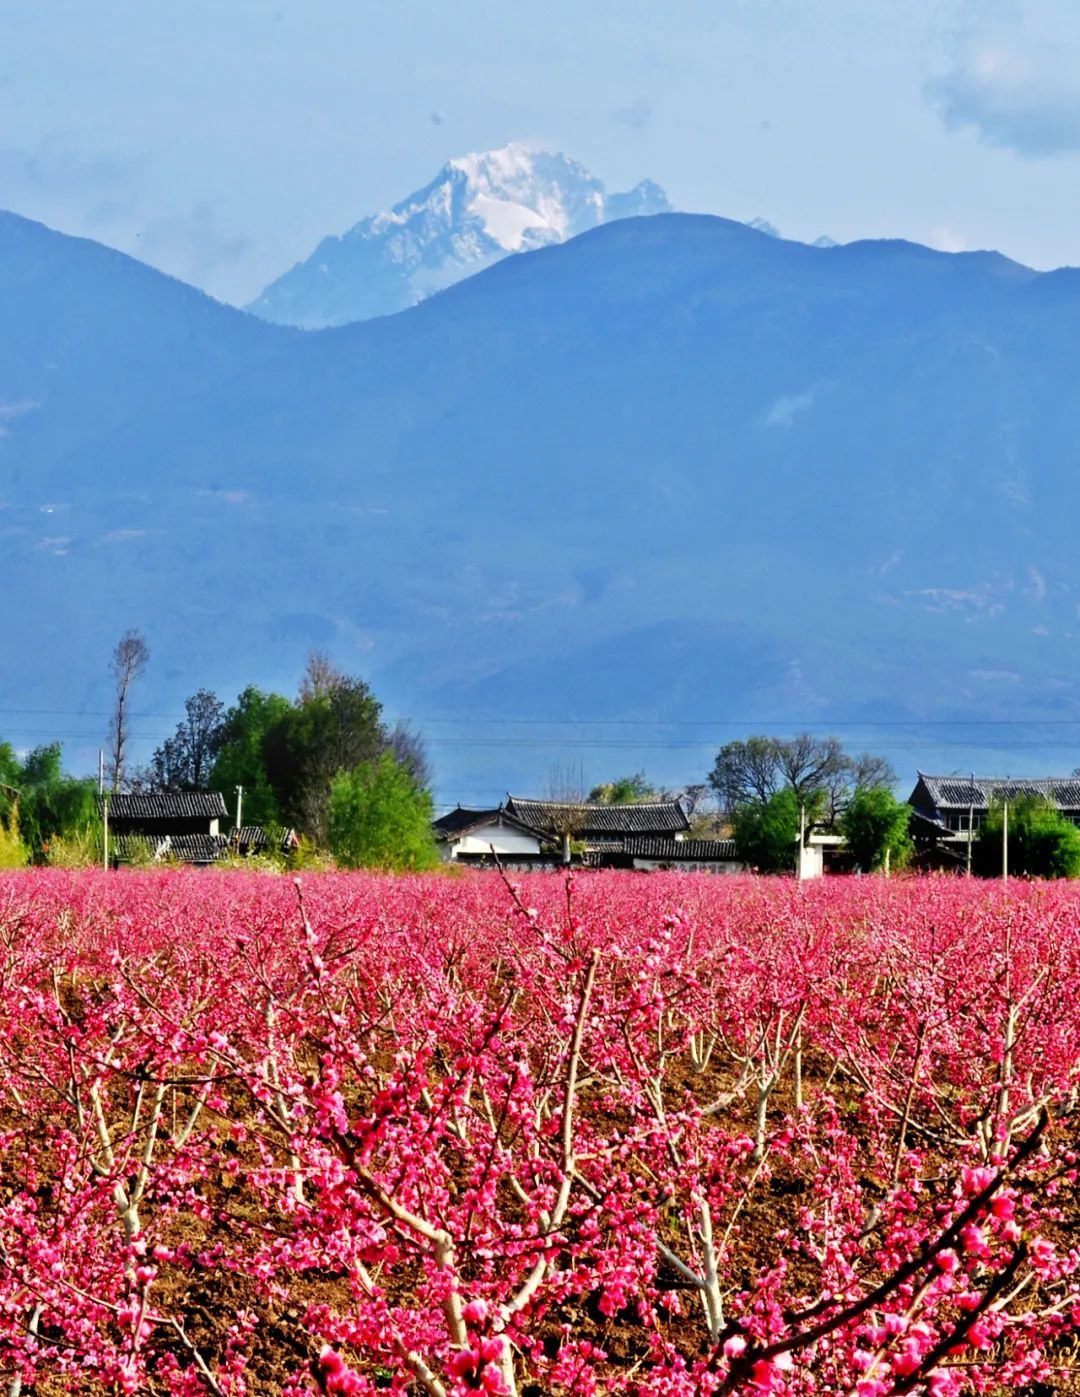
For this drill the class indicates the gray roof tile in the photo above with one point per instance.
(647, 817)
(958, 792)
(684, 850)
(167, 805)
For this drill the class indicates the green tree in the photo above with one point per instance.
(766, 832)
(380, 818)
(241, 759)
(626, 790)
(875, 824)
(52, 803)
(1042, 843)
(10, 779)
(287, 755)
(334, 727)
(184, 761)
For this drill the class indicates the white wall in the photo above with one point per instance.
(506, 841)
(811, 862)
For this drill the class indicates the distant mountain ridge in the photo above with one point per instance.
(478, 209)
(671, 469)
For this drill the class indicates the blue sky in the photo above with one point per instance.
(220, 139)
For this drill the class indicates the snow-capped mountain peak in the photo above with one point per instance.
(524, 198)
(478, 209)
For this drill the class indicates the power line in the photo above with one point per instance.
(491, 720)
(769, 722)
(555, 744)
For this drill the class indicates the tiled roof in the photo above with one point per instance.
(957, 792)
(461, 822)
(462, 819)
(197, 848)
(647, 817)
(254, 837)
(167, 805)
(135, 848)
(684, 850)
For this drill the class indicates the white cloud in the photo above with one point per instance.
(971, 602)
(122, 535)
(787, 407)
(1015, 81)
(995, 676)
(58, 546)
(888, 564)
(946, 240)
(10, 411)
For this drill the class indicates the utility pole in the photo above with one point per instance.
(100, 772)
(105, 830)
(971, 822)
(802, 836)
(1005, 843)
(239, 806)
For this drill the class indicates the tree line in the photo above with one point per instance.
(325, 764)
(768, 792)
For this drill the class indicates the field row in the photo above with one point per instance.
(673, 1135)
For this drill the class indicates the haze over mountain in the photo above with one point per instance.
(478, 209)
(671, 469)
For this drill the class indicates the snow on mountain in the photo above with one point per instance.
(762, 225)
(478, 209)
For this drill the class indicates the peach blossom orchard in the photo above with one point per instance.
(624, 1134)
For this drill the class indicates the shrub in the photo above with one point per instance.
(380, 819)
(13, 852)
(875, 824)
(77, 849)
(1042, 843)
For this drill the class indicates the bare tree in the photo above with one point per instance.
(693, 798)
(869, 772)
(808, 763)
(129, 659)
(566, 790)
(566, 785)
(707, 819)
(406, 746)
(746, 771)
(321, 677)
(817, 769)
(862, 773)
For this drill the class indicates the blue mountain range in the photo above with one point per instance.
(673, 478)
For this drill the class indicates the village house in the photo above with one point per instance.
(185, 827)
(478, 836)
(251, 840)
(161, 814)
(652, 852)
(525, 833)
(948, 810)
(182, 825)
(594, 832)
